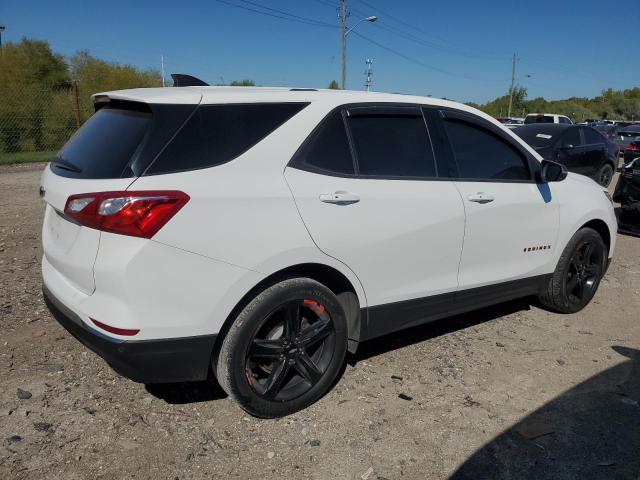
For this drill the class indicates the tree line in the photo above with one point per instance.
(45, 96)
(610, 104)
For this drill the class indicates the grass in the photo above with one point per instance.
(26, 157)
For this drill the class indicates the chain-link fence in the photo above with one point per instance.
(35, 122)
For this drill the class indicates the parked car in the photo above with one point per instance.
(581, 149)
(632, 151)
(510, 122)
(627, 193)
(627, 135)
(257, 234)
(546, 118)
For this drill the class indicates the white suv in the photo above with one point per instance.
(547, 118)
(257, 234)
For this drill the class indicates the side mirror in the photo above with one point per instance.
(552, 171)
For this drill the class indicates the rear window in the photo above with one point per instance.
(216, 134)
(538, 119)
(535, 137)
(105, 144)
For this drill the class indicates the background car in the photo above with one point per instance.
(581, 149)
(627, 194)
(547, 118)
(626, 136)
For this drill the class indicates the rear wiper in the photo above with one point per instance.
(61, 163)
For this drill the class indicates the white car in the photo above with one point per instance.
(547, 118)
(257, 234)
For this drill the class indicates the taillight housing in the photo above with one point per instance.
(136, 213)
(632, 146)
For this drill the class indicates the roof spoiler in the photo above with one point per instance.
(182, 80)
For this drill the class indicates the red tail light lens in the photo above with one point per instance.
(632, 146)
(137, 213)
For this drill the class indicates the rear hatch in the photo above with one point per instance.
(108, 153)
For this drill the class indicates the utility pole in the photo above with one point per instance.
(513, 82)
(343, 17)
(76, 103)
(2, 27)
(162, 68)
(369, 73)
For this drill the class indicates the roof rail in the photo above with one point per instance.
(303, 89)
(183, 80)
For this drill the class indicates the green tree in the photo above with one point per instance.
(243, 83)
(333, 85)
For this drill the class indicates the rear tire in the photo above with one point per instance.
(285, 348)
(578, 273)
(605, 175)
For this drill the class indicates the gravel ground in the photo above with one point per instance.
(506, 392)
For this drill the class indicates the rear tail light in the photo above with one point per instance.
(632, 146)
(138, 214)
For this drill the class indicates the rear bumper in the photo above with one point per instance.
(144, 361)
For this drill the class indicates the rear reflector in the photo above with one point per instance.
(138, 214)
(118, 331)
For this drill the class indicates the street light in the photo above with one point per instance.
(346, 32)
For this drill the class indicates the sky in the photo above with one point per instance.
(456, 49)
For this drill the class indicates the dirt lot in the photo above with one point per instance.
(506, 392)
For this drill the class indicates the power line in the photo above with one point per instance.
(421, 63)
(290, 17)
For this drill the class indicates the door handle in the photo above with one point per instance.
(481, 197)
(339, 198)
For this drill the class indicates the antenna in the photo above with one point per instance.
(369, 73)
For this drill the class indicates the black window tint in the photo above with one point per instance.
(216, 134)
(105, 144)
(482, 155)
(395, 146)
(591, 136)
(571, 138)
(327, 148)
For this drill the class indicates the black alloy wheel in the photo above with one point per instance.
(291, 350)
(584, 272)
(605, 174)
(284, 349)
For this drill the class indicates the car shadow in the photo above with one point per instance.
(422, 333)
(187, 392)
(592, 431)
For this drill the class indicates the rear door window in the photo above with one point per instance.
(482, 155)
(571, 138)
(591, 136)
(216, 134)
(105, 144)
(327, 149)
(392, 146)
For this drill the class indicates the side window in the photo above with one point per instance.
(591, 136)
(392, 145)
(571, 138)
(216, 134)
(482, 155)
(328, 148)
(564, 120)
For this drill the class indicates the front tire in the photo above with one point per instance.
(578, 273)
(285, 348)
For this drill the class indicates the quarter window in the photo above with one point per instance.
(392, 146)
(216, 134)
(482, 155)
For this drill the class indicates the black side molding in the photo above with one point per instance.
(183, 80)
(392, 317)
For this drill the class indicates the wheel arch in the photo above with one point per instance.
(329, 276)
(602, 228)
